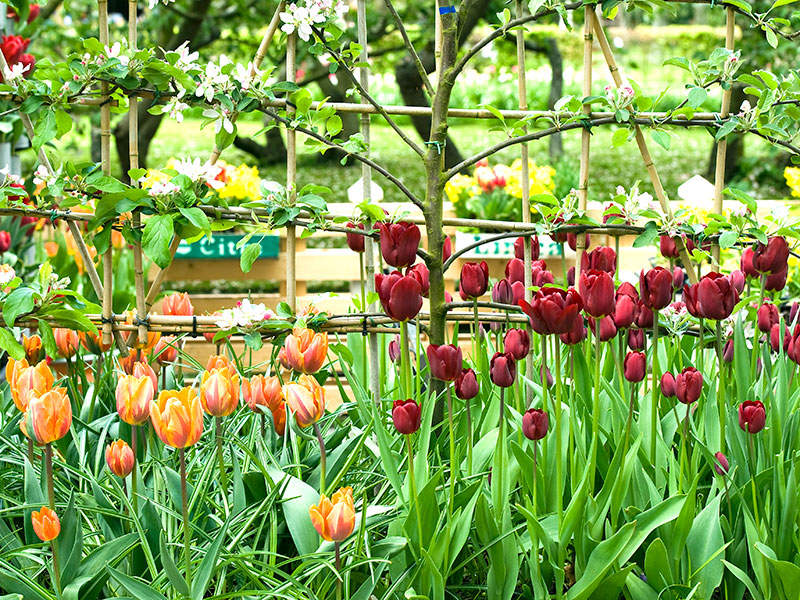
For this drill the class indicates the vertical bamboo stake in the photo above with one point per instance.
(522, 85)
(438, 37)
(291, 177)
(583, 176)
(722, 145)
(655, 180)
(133, 151)
(105, 157)
(366, 177)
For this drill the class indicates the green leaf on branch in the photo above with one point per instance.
(647, 237)
(156, 239)
(728, 239)
(249, 256)
(19, 302)
(9, 343)
(196, 217)
(661, 138)
(697, 96)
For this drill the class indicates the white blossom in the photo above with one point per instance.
(198, 171)
(163, 188)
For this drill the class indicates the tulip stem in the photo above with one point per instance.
(223, 477)
(417, 376)
(406, 360)
(753, 470)
(476, 344)
(630, 419)
(683, 448)
(702, 355)
(413, 482)
(361, 276)
(721, 390)
(56, 569)
(322, 458)
(453, 463)
(338, 570)
(543, 373)
(48, 462)
(30, 451)
(757, 334)
(469, 437)
(559, 458)
(656, 376)
(595, 406)
(185, 511)
(134, 500)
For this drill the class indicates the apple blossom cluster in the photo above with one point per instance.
(309, 14)
(628, 205)
(620, 97)
(244, 316)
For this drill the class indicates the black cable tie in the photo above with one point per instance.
(145, 321)
(108, 320)
(364, 327)
(194, 326)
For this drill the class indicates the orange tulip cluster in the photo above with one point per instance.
(219, 387)
(266, 391)
(305, 351)
(48, 413)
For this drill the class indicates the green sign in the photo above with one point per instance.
(223, 245)
(548, 247)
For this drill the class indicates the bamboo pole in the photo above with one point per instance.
(366, 177)
(522, 88)
(642, 143)
(105, 161)
(722, 145)
(291, 178)
(583, 175)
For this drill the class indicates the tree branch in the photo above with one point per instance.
(410, 47)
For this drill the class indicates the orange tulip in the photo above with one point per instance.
(93, 342)
(306, 399)
(23, 379)
(119, 458)
(49, 415)
(219, 391)
(219, 361)
(334, 519)
(261, 390)
(117, 240)
(33, 348)
(134, 395)
(177, 305)
(283, 360)
(51, 249)
(136, 364)
(46, 524)
(306, 350)
(165, 350)
(279, 418)
(67, 341)
(177, 417)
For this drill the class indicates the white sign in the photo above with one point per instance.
(355, 193)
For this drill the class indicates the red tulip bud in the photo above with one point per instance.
(401, 296)
(399, 243)
(517, 343)
(655, 287)
(607, 328)
(721, 464)
(406, 416)
(668, 385)
(635, 366)
(636, 339)
(602, 258)
(474, 279)
(597, 291)
(752, 416)
(689, 385)
(519, 247)
(445, 361)
(503, 369)
(772, 257)
(767, 316)
(467, 385)
(534, 424)
(355, 241)
(575, 335)
(420, 272)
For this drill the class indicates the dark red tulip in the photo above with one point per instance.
(602, 258)
(668, 247)
(575, 335)
(401, 296)
(474, 279)
(635, 366)
(746, 264)
(655, 288)
(767, 316)
(775, 337)
(406, 416)
(645, 318)
(519, 247)
(5, 241)
(447, 248)
(678, 278)
(503, 369)
(502, 292)
(668, 385)
(571, 276)
(515, 269)
(716, 297)
(721, 464)
(597, 291)
(355, 241)
(445, 361)
(462, 295)
(771, 257)
(399, 243)
(420, 272)
(689, 385)
(518, 288)
(395, 349)
(752, 416)
(553, 310)
(738, 280)
(540, 276)
(572, 240)
(546, 375)
(535, 423)
(607, 328)
(517, 343)
(690, 300)
(793, 312)
(626, 309)
(467, 385)
(727, 352)
(636, 339)
(777, 281)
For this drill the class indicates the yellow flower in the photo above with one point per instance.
(242, 183)
(792, 175)
(152, 177)
(456, 186)
(540, 179)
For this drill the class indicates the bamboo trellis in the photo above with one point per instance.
(370, 320)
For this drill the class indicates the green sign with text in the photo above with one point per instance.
(223, 246)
